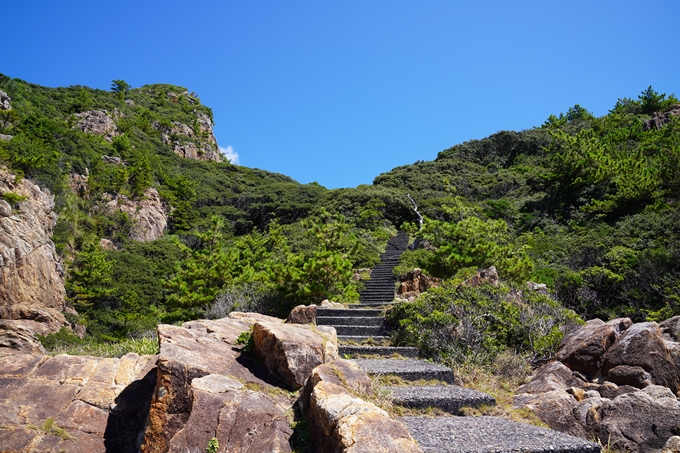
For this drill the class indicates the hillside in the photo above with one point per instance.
(154, 225)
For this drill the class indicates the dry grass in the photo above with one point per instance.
(500, 380)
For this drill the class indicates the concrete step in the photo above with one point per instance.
(368, 305)
(490, 435)
(410, 370)
(450, 398)
(362, 331)
(350, 321)
(359, 339)
(385, 351)
(353, 311)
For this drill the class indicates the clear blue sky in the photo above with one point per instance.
(339, 92)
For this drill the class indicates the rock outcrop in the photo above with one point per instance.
(659, 119)
(75, 404)
(414, 283)
(192, 143)
(615, 381)
(342, 422)
(97, 122)
(147, 212)
(32, 294)
(5, 101)
(206, 388)
(290, 352)
(489, 275)
(302, 314)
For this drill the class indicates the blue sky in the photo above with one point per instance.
(339, 92)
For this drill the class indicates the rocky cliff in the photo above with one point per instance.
(32, 294)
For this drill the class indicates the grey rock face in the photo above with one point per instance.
(4, 101)
(97, 122)
(32, 293)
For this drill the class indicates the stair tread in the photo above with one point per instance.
(451, 398)
(405, 351)
(490, 434)
(410, 369)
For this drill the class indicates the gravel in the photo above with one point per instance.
(411, 369)
(490, 435)
(450, 398)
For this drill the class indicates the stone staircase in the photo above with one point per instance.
(363, 335)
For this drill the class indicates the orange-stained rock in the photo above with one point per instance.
(200, 378)
(291, 351)
(302, 314)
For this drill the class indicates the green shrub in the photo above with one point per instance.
(456, 323)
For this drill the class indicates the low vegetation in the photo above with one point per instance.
(587, 206)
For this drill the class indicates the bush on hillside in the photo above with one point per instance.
(456, 323)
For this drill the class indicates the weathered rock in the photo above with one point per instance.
(78, 183)
(415, 283)
(659, 119)
(636, 422)
(328, 304)
(6, 137)
(78, 395)
(5, 101)
(32, 294)
(97, 122)
(199, 368)
(242, 421)
(115, 160)
(302, 314)
(340, 422)
(642, 345)
(582, 350)
(555, 408)
(290, 352)
(609, 389)
(339, 372)
(634, 376)
(670, 329)
(672, 445)
(191, 144)
(540, 288)
(107, 244)
(147, 212)
(489, 275)
(549, 377)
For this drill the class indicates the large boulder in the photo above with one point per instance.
(341, 422)
(302, 314)
(415, 283)
(642, 345)
(291, 351)
(243, 421)
(97, 122)
(555, 408)
(637, 422)
(582, 350)
(199, 395)
(340, 372)
(32, 293)
(74, 404)
(549, 377)
(147, 212)
(197, 144)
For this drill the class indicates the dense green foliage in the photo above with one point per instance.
(592, 201)
(455, 323)
(231, 230)
(586, 205)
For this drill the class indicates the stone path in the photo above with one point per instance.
(362, 333)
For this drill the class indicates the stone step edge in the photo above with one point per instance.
(385, 351)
